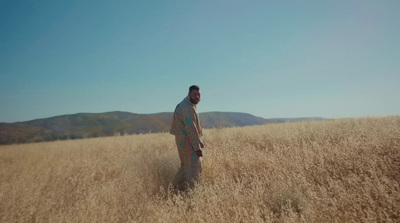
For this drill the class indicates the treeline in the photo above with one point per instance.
(43, 136)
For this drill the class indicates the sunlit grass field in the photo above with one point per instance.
(345, 170)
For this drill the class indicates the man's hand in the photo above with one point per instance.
(199, 153)
(201, 145)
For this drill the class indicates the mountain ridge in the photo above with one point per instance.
(88, 125)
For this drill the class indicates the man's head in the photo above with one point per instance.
(194, 94)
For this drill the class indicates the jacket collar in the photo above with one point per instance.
(187, 100)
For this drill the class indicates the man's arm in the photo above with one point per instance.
(192, 130)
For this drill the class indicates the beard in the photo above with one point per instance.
(193, 101)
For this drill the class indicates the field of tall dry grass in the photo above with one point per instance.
(345, 170)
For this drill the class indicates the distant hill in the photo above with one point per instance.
(86, 125)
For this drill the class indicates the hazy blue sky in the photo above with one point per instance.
(272, 59)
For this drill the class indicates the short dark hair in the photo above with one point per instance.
(193, 88)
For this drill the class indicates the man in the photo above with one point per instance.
(187, 130)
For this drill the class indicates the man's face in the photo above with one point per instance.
(195, 96)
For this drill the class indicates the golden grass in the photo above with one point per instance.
(329, 171)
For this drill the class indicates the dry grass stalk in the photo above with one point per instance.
(336, 171)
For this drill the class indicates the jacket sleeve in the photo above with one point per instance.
(192, 129)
